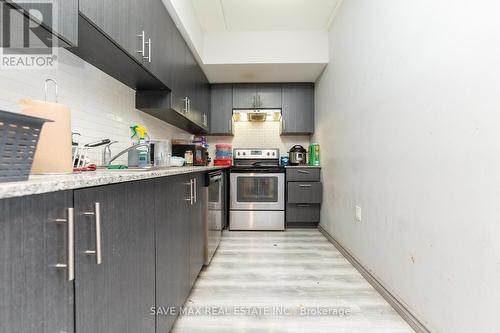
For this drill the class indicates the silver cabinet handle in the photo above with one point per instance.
(70, 251)
(190, 184)
(231, 125)
(143, 38)
(148, 43)
(97, 252)
(184, 109)
(259, 102)
(303, 205)
(195, 196)
(304, 172)
(305, 185)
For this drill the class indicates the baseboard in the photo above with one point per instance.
(393, 301)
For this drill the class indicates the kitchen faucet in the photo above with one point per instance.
(126, 151)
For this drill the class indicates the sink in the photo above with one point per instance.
(133, 169)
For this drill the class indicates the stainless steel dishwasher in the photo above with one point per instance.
(214, 213)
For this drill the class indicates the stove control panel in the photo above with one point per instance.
(256, 153)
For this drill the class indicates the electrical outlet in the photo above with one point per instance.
(358, 213)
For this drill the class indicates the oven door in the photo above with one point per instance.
(257, 191)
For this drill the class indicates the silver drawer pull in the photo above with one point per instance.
(303, 205)
(304, 172)
(98, 248)
(70, 251)
(305, 185)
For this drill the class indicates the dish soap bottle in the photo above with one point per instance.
(142, 137)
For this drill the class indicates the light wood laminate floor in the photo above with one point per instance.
(266, 281)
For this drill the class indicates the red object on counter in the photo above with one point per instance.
(90, 167)
(223, 162)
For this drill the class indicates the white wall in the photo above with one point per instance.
(407, 113)
(250, 56)
(265, 56)
(184, 16)
(101, 106)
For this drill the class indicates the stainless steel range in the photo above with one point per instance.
(257, 196)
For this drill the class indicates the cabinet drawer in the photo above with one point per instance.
(304, 192)
(302, 212)
(303, 175)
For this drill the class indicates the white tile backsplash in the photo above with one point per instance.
(258, 135)
(101, 107)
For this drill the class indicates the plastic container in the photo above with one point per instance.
(223, 148)
(223, 162)
(224, 158)
(177, 161)
(19, 135)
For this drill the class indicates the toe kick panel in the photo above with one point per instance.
(256, 220)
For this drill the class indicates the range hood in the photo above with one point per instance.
(257, 115)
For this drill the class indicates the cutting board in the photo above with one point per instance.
(53, 153)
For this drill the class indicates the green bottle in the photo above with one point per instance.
(314, 159)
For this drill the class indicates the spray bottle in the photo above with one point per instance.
(140, 136)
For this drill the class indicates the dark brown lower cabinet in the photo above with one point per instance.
(197, 228)
(138, 249)
(172, 201)
(115, 258)
(304, 196)
(179, 202)
(35, 295)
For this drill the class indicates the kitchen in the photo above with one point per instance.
(247, 166)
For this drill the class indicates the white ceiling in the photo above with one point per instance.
(264, 15)
(257, 40)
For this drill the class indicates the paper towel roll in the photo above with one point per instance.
(53, 153)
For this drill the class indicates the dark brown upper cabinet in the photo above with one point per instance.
(257, 96)
(59, 19)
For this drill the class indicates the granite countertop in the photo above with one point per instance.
(38, 184)
(303, 166)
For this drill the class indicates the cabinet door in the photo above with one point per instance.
(63, 24)
(221, 109)
(118, 19)
(193, 76)
(206, 110)
(116, 295)
(201, 107)
(269, 96)
(244, 96)
(159, 28)
(172, 216)
(179, 68)
(197, 228)
(35, 296)
(298, 108)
